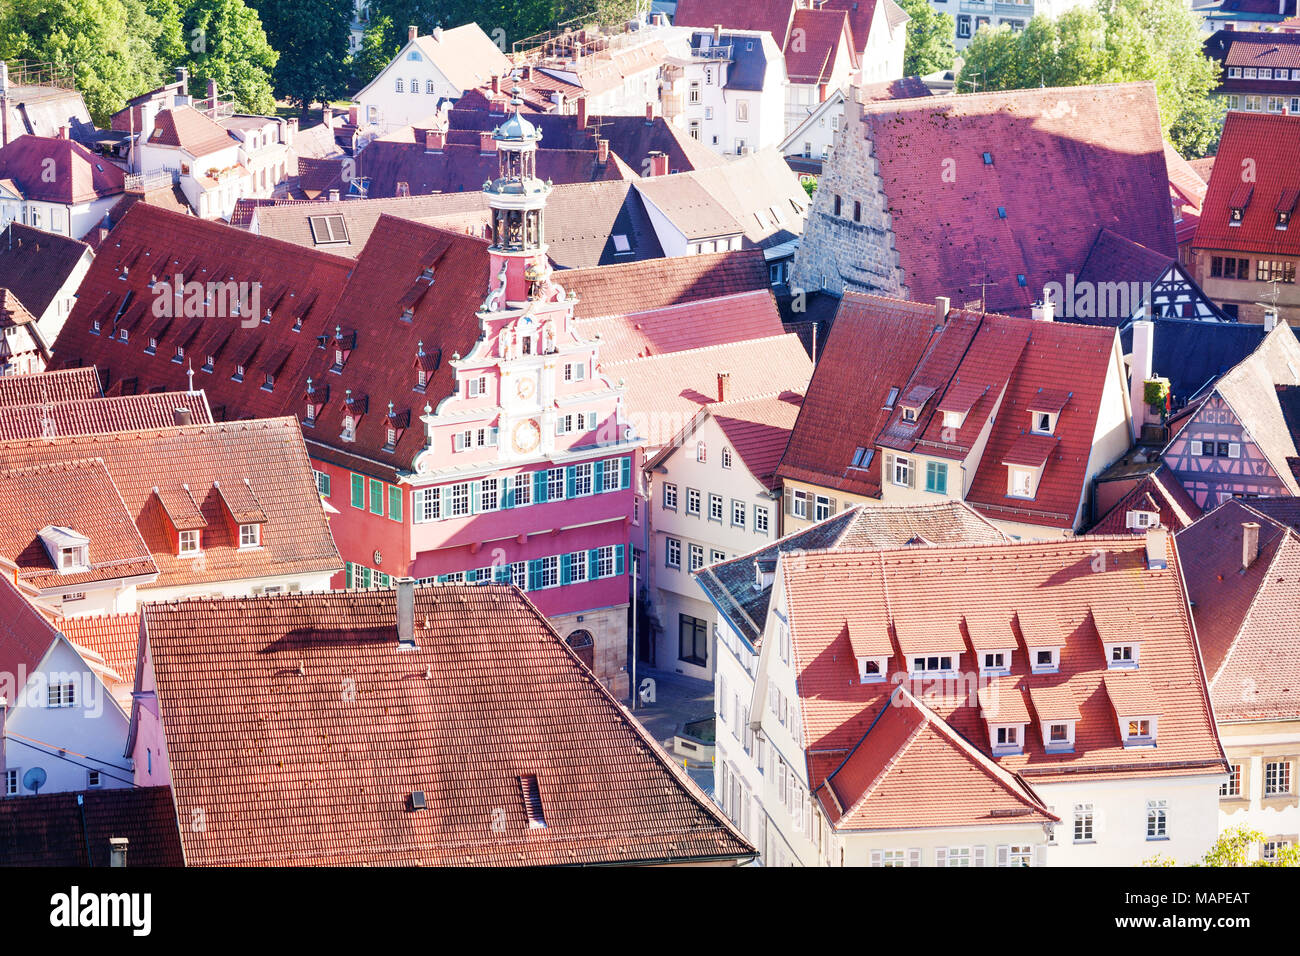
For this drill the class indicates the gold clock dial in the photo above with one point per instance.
(526, 436)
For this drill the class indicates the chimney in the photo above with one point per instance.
(1144, 334)
(327, 117)
(649, 114)
(117, 851)
(658, 163)
(1249, 543)
(63, 132)
(496, 84)
(290, 130)
(183, 78)
(1044, 311)
(602, 150)
(148, 117)
(717, 34)
(181, 416)
(941, 306)
(353, 113)
(412, 33)
(724, 386)
(334, 195)
(1157, 548)
(486, 144)
(212, 95)
(437, 33)
(582, 112)
(434, 140)
(406, 614)
(1270, 318)
(821, 92)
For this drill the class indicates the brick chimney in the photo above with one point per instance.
(1249, 543)
(658, 163)
(602, 150)
(353, 114)
(486, 144)
(582, 112)
(212, 95)
(1044, 311)
(327, 117)
(63, 132)
(181, 416)
(334, 195)
(717, 34)
(411, 33)
(649, 114)
(941, 306)
(496, 84)
(724, 386)
(434, 140)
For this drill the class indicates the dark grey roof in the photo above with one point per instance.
(748, 62)
(1192, 353)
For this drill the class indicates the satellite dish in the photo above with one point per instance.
(34, 779)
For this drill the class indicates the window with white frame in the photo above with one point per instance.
(189, 543)
(696, 557)
(996, 662)
(1020, 483)
(933, 663)
(673, 552)
(555, 484)
(737, 514)
(582, 479)
(426, 505)
(670, 496)
(94, 779)
(61, 694)
(1017, 854)
(892, 857)
(605, 561)
(799, 504)
(550, 567)
(519, 575)
(871, 670)
(1122, 655)
(1157, 820)
(726, 457)
(715, 508)
(1232, 786)
(760, 519)
(250, 535)
(1277, 777)
(956, 856)
(11, 781)
(692, 501)
(701, 452)
(902, 471)
(460, 500)
(1083, 823)
(1139, 730)
(1044, 660)
(611, 475)
(523, 488)
(489, 495)
(821, 508)
(577, 567)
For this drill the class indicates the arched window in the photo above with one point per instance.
(701, 452)
(399, 86)
(584, 645)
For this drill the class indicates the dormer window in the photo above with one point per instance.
(871, 670)
(1139, 732)
(74, 559)
(1122, 656)
(1020, 482)
(1006, 739)
(69, 551)
(1238, 202)
(1045, 660)
(909, 413)
(190, 543)
(995, 662)
(1141, 520)
(954, 419)
(250, 535)
(391, 438)
(421, 380)
(1044, 423)
(933, 664)
(349, 428)
(208, 363)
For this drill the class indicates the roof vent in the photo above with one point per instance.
(1157, 542)
(117, 851)
(417, 800)
(406, 614)
(532, 795)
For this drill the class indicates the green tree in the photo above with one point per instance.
(1232, 848)
(227, 44)
(313, 63)
(929, 39)
(375, 53)
(107, 45)
(1119, 41)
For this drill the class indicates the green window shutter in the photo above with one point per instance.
(534, 575)
(502, 574)
(507, 497)
(593, 564)
(395, 502)
(627, 472)
(347, 568)
(539, 486)
(376, 497)
(358, 491)
(570, 483)
(618, 559)
(597, 470)
(566, 568)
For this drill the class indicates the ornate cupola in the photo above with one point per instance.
(517, 199)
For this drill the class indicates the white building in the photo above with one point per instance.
(1050, 674)
(728, 91)
(54, 184)
(711, 498)
(439, 66)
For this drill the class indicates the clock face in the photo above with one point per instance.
(526, 388)
(526, 436)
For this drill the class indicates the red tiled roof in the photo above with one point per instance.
(1132, 695)
(672, 328)
(774, 16)
(657, 283)
(758, 430)
(25, 636)
(1002, 701)
(911, 770)
(79, 175)
(54, 386)
(97, 415)
(1116, 259)
(905, 88)
(192, 131)
(1160, 492)
(1252, 48)
(664, 392)
(1269, 143)
(12, 312)
(35, 264)
(72, 491)
(114, 637)
(269, 452)
(1054, 703)
(1246, 620)
(812, 50)
(927, 591)
(490, 695)
(58, 829)
(1031, 450)
(1098, 162)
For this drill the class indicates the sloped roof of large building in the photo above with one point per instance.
(1246, 618)
(465, 54)
(774, 16)
(1266, 144)
(657, 283)
(188, 129)
(1192, 354)
(60, 829)
(1030, 593)
(1064, 164)
(170, 479)
(55, 386)
(96, 415)
(966, 362)
(673, 328)
(485, 705)
(733, 585)
(79, 175)
(815, 57)
(35, 264)
(912, 770)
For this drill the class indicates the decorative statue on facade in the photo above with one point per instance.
(496, 298)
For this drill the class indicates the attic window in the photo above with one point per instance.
(862, 457)
(76, 558)
(1043, 423)
(1122, 656)
(1238, 202)
(891, 398)
(988, 159)
(1139, 731)
(1020, 482)
(621, 244)
(932, 664)
(1002, 212)
(250, 536)
(871, 670)
(1045, 660)
(910, 413)
(1021, 280)
(189, 544)
(1142, 520)
(349, 428)
(532, 795)
(995, 662)
(327, 229)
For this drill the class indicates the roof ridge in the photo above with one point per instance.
(703, 348)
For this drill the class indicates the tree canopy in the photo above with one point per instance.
(929, 39)
(1118, 41)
